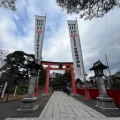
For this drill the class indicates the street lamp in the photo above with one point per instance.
(104, 102)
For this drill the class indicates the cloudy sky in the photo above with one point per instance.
(98, 36)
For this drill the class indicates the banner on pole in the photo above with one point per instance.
(39, 34)
(76, 49)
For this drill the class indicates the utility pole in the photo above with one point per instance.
(109, 72)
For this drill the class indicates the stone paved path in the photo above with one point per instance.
(63, 107)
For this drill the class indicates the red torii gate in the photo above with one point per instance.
(49, 67)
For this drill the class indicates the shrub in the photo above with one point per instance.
(22, 88)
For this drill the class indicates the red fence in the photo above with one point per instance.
(80, 91)
(115, 94)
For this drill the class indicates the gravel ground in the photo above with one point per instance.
(8, 110)
(91, 103)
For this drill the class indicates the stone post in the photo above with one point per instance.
(31, 86)
(101, 86)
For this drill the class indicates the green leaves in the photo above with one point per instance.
(17, 64)
(88, 9)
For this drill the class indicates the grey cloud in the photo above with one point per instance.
(56, 46)
(97, 42)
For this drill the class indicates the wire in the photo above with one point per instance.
(106, 35)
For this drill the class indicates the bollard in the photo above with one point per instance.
(87, 93)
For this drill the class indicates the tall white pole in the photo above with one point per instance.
(15, 91)
(109, 71)
(3, 92)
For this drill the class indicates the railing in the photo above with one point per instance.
(115, 94)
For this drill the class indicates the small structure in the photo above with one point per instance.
(104, 102)
(30, 102)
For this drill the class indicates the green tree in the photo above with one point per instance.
(11, 4)
(67, 74)
(115, 82)
(16, 68)
(79, 81)
(42, 78)
(88, 9)
(58, 81)
(91, 81)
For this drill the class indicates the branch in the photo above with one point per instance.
(8, 4)
(88, 9)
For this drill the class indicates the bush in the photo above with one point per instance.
(20, 93)
(10, 90)
(22, 88)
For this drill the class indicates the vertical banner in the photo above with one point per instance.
(76, 49)
(39, 34)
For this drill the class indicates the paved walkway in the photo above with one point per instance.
(63, 107)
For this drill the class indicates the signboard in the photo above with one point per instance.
(39, 34)
(76, 49)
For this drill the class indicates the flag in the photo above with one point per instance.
(76, 49)
(39, 34)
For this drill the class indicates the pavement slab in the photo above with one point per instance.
(64, 106)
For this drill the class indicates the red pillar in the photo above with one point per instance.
(36, 91)
(73, 81)
(47, 80)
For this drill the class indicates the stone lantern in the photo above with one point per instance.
(34, 69)
(104, 102)
(30, 102)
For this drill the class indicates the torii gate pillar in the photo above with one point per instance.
(47, 80)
